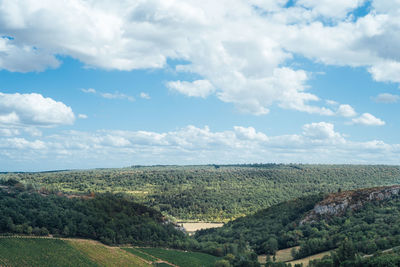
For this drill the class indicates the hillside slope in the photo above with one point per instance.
(368, 218)
(109, 218)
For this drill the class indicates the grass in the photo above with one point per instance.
(40, 252)
(306, 260)
(107, 256)
(181, 258)
(281, 255)
(140, 254)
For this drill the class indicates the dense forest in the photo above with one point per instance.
(111, 219)
(213, 192)
(373, 227)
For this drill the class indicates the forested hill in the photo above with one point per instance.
(214, 192)
(369, 226)
(109, 218)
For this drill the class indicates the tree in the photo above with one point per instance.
(271, 246)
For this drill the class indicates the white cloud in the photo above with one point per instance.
(386, 98)
(89, 91)
(33, 110)
(331, 9)
(198, 88)
(22, 144)
(322, 131)
(24, 58)
(82, 116)
(117, 95)
(318, 143)
(386, 71)
(331, 102)
(346, 111)
(144, 95)
(9, 132)
(249, 133)
(33, 131)
(107, 95)
(368, 119)
(239, 49)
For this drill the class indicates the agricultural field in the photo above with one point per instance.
(182, 258)
(41, 252)
(107, 256)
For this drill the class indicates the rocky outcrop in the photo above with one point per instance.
(338, 203)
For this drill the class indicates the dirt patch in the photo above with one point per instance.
(192, 227)
(306, 260)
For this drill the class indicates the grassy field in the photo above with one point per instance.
(40, 252)
(306, 260)
(181, 258)
(107, 256)
(281, 255)
(192, 227)
(141, 254)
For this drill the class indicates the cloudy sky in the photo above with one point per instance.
(104, 83)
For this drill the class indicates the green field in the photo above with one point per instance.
(108, 256)
(182, 258)
(40, 252)
(141, 254)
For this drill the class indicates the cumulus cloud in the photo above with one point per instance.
(386, 98)
(386, 71)
(240, 50)
(198, 88)
(368, 119)
(24, 58)
(317, 143)
(346, 111)
(322, 131)
(249, 133)
(33, 110)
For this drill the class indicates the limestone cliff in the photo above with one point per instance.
(338, 203)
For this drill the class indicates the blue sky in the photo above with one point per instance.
(88, 84)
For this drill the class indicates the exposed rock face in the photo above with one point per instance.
(338, 203)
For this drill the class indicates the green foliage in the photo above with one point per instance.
(266, 230)
(214, 193)
(222, 263)
(378, 260)
(353, 233)
(40, 252)
(112, 219)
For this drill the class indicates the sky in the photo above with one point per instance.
(92, 84)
